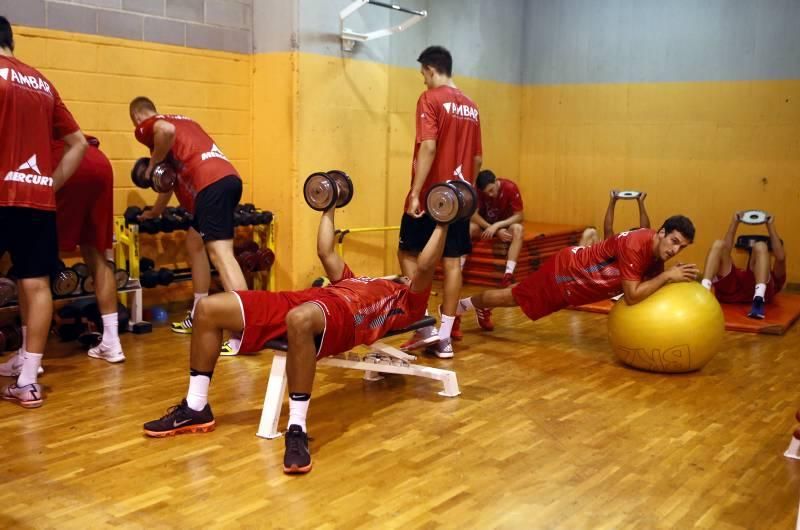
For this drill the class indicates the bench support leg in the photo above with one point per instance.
(273, 399)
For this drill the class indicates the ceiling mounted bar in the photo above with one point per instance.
(349, 38)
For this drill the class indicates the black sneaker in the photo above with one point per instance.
(757, 311)
(181, 419)
(296, 459)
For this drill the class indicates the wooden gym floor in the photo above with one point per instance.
(550, 432)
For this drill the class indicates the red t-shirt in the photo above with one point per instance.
(507, 203)
(199, 161)
(447, 115)
(593, 273)
(31, 116)
(378, 305)
(94, 168)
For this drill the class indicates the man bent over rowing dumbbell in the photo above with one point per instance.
(208, 186)
(318, 322)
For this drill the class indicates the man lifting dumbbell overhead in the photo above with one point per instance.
(318, 322)
(759, 281)
(186, 160)
(447, 146)
(590, 235)
(31, 116)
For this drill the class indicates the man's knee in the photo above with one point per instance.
(300, 319)
(720, 245)
(760, 247)
(474, 230)
(516, 231)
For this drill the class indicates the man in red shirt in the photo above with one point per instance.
(499, 215)
(319, 322)
(84, 215)
(447, 147)
(208, 186)
(759, 282)
(630, 262)
(31, 116)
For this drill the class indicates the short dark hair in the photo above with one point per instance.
(6, 34)
(438, 58)
(142, 103)
(682, 224)
(485, 178)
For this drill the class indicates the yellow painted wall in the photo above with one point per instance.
(704, 149)
(98, 76)
(359, 116)
(275, 177)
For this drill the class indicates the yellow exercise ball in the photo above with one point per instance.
(679, 328)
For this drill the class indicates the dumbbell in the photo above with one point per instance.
(323, 191)
(68, 325)
(262, 217)
(247, 255)
(150, 277)
(244, 215)
(63, 281)
(10, 338)
(148, 226)
(451, 201)
(754, 217)
(184, 218)
(85, 278)
(266, 257)
(121, 276)
(8, 290)
(162, 179)
(626, 195)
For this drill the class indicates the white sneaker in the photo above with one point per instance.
(13, 366)
(29, 396)
(443, 350)
(427, 336)
(112, 354)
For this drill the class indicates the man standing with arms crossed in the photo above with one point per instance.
(31, 116)
(447, 147)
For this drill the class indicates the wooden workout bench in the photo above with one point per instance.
(382, 358)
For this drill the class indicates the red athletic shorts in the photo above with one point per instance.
(737, 287)
(538, 294)
(264, 314)
(85, 204)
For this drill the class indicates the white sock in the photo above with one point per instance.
(463, 261)
(298, 409)
(446, 327)
(706, 283)
(110, 330)
(30, 368)
(510, 266)
(197, 397)
(761, 290)
(197, 298)
(464, 305)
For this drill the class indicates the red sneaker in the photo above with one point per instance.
(484, 319)
(507, 280)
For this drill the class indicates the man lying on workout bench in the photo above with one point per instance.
(318, 322)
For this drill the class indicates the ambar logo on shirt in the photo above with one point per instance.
(464, 111)
(29, 178)
(29, 81)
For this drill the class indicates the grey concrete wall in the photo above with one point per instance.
(212, 24)
(275, 25)
(607, 41)
(484, 36)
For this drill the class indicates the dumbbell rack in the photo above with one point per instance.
(128, 254)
